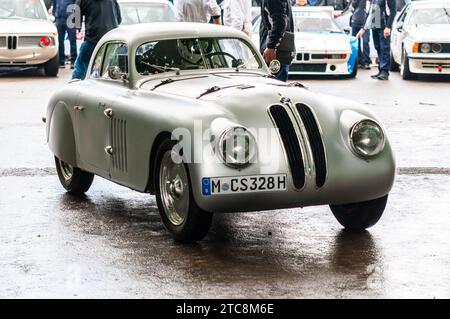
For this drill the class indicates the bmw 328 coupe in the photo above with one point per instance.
(191, 113)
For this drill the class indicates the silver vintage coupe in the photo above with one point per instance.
(190, 113)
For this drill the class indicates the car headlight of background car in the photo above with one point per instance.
(367, 138)
(427, 48)
(237, 147)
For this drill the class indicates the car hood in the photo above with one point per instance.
(430, 32)
(12, 26)
(322, 41)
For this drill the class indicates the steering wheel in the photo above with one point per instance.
(212, 54)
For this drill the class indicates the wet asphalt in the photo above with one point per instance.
(112, 243)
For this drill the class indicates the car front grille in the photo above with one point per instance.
(291, 144)
(2, 42)
(445, 48)
(315, 141)
(303, 67)
(29, 41)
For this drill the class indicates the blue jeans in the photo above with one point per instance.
(72, 34)
(283, 74)
(383, 47)
(82, 62)
(363, 45)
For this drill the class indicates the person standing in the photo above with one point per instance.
(357, 21)
(100, 17)
(238, 14)
(62, 11)
(276, 22)
(380, 19)
(198, 11)
(336, 4)
(301, 3)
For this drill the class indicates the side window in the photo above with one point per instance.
(402, 16)
(97, 66)
(116, 55)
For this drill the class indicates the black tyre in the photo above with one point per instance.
(404, 70)
(359, 216)
(179, 212)
(73, 179)
(394, 66)
(51, 68)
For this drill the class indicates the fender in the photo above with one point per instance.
(61, 137)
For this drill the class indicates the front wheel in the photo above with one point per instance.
(51, 67)
(359, 216)
(73, 179)
(405, 72)
(179, 212)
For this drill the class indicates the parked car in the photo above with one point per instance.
(146, 11)
(323, 48)
(189, 112)
(28, 36)
(421, 39)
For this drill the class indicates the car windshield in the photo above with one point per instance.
(195, 54)
(22, 9)
(430, 16)
(139, 12)
(314, 22)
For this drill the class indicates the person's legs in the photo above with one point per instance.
(376, 41)
(283, 74)
(82, 62)
(385, 48)
(61, 27)
(72, 33)
(366, 49)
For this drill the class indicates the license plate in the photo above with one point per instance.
(243, 184)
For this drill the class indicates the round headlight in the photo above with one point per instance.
(425, 48)
(436, 47)
(367, 138)
(237, 147)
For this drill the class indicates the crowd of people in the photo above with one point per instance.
(101, 16)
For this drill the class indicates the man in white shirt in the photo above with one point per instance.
(238, 14)
(198, 11)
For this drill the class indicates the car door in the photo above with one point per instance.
(94, 111)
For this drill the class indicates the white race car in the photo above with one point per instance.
(323, 48)
(421, 39)
(27, 36)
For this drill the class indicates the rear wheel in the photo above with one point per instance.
(359, 216)
(51, 67)
(73, 179)
(179, 212)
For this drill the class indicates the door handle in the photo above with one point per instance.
(78, 108)
(108, 113)
(109, 150)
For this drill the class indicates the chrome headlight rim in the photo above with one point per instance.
(425, 48)
(352, 134)
(223, 157)
(436, 47)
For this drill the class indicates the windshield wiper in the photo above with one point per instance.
(218, 88)
(162, 68)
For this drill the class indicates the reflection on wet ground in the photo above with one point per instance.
(111, 243)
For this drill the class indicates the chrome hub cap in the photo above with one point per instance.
(174, 186)
(66, 170)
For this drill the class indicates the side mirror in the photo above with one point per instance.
(115, 73)
(274, 66)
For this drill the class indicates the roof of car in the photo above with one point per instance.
(429, 2)
(169, 30)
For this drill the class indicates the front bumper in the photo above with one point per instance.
(422, 63)
(27, 56)
(305, 63)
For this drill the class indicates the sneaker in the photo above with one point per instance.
(383, 76)
(62, 66)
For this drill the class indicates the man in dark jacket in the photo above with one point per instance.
(276, 19)
(380, 19)
(62, 10)
(357, 21)
(100, 17)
